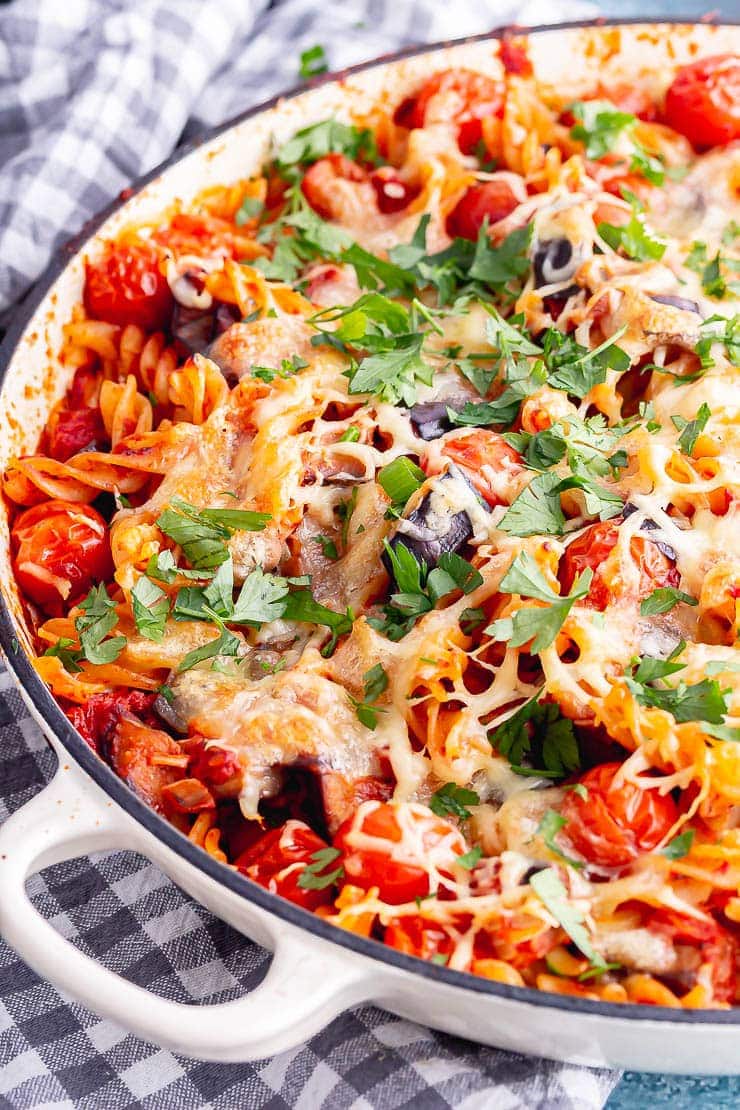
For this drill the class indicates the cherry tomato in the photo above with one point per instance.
(215, 766)
(488, 461)
(613, 825)
(454, 94)
(373, 853)
(514, 57)
(279, 858)
(392, 193)
(492, 200)
(96, 719)
(319, 182)
(717, 946)
(126, 286)
(61, 549)
(416, 937)
(703, 103)
(133, 752)
(592, 548)
(71, 431)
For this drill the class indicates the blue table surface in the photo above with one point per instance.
(639, 1089)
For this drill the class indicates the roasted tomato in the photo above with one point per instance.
(376, 853)
(703, 103)
(70, 431)
(492, 201)
(280, 857)
(416, 937)
(716, 946)
(145, 758)
(320, 181)
(215, 766)
(454, 94)
(98, 717)
(392, 192)
(488, 461)
(592, 548)
(613, 825)
(127, 286)
(60, 550)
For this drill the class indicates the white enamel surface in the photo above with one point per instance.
(311, 979)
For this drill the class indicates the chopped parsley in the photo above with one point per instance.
(691, 429)
(549, 888)
(452, 800)
(702, 701)
(538, 730)
(419, 589)
(329, 136)
(548, 828)
(314, 876)
(601, 125)
(249, 209)
(663, 599)
(538, 624)
(328, 547)
(470, 859)
(537, 510)
(98, 618)
(635, 238)
(680, 846)
(313, 62)
(714, 272)
(375, 683)
(151, 607)
(202, 533)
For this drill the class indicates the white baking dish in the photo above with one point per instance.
(317, 970)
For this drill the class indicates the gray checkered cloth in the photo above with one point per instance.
(92, 94)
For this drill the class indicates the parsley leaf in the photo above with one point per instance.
(635, 238)
(314, 875)
(663, 599)
(98, 618)
(151, 607)
(329, 136)
(69, 654)
(375, 683)
(680, 846)
(548, 828)
(313, 62)
(202, 533)
(470, 859)
(261, 599)
(249, 208)
(302, 606)
(540, 625)
(692, 429)
(702, 701)
(328, 547)
(536, 511)
(539, 729)
(452, 800)
(599, 125)
(550, 890)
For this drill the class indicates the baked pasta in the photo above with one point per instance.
(386, 539)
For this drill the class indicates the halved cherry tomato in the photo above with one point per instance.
(373, 855)
(61, 549)
(126, 286)
(454, 94)
(593, 547)
(416, 937)
(703, 103)
(215, 766)
(96, 719)
(514, 56)
(613, 825)
(717, 947)
(392, 193)
(488, 461)
(320, 179)
(492, 201)
(73, 430)
(280, 857)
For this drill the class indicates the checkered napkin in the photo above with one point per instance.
(92, 94)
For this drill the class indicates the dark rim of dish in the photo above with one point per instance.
(58, 724)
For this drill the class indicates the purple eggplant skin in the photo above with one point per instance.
(431, 419)
(196, 328)
(676, 302)
(426, 547)
(649, 526)
(553, 260)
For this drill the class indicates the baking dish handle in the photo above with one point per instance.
(304, 989)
